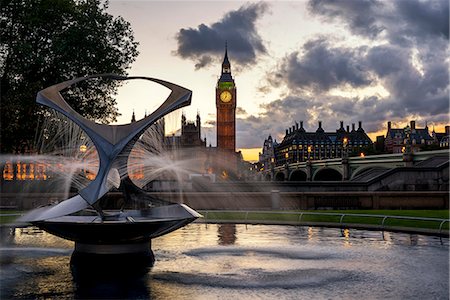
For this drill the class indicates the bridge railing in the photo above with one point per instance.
(367, 160)
(262, 216)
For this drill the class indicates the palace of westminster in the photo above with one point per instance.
(223, 162)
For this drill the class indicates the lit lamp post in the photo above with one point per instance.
(308, 165)
(286, 155)
(272, 167)
(83, 149)
(407, 131)
(407, 152)
(344, 146)
(345, 164)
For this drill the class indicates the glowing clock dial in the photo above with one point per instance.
(226, 96)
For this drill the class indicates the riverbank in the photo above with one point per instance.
(430, 222)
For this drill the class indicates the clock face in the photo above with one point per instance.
(226, 96)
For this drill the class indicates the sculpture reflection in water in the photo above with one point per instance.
(99, 224)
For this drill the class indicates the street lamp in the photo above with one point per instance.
(344, 145)
(406, 141)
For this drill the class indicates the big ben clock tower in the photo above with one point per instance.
(226, 108)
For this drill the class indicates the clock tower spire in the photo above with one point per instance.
(226, 107)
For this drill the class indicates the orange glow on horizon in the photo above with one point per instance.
(250, 154)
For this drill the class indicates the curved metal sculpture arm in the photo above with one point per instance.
(109, 140)
(113, 134)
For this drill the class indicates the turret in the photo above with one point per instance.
(183, 123)
(198, 123)
(226, 66)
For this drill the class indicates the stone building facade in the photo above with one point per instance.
(397, 138)
(298, 145)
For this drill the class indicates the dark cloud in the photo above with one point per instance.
(386, 60)
(411, 92)
(322, 67)
(205, 44)
(400, 20)
(275, 117)
(361, 16)
(422, 18)
(241, 111)
(210, 123)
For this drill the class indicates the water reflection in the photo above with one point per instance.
(226, 234)
(346, 236)
(112, 282)
(230, 261)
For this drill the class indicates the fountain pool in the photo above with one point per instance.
(236, 261)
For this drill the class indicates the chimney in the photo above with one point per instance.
(348, 128)
(413, 125)
(342, 125)
(359, 124)
(296, 125)
(290, 130)
(293, 128)
(286, 132)
(320, 124)
(301, 124)
(353, 126)
(389, 125)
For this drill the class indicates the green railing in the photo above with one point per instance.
(321, 218)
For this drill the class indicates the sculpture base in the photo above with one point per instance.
(111, 260)
(112, 249)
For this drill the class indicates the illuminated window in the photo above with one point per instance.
(8, 171)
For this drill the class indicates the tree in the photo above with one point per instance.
(44, 42)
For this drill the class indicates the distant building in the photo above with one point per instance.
(190, 136)
(396, 138)
(379, 144)
(267, 157)
(299, 145)
(441, 138)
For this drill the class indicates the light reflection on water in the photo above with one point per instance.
(237, 261)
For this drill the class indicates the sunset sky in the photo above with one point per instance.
(374, 61)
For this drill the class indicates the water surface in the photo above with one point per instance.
(241, 262)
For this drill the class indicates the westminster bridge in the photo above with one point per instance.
(393, 181)
(356, 169)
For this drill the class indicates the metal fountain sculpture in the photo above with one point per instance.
(85, 218)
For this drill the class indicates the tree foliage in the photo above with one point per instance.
(43, 42)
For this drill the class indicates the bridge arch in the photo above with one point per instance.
(327, 174)
(298, 175)
(279, 176)
(267, 177)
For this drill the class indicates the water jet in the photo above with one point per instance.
(97, 223)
